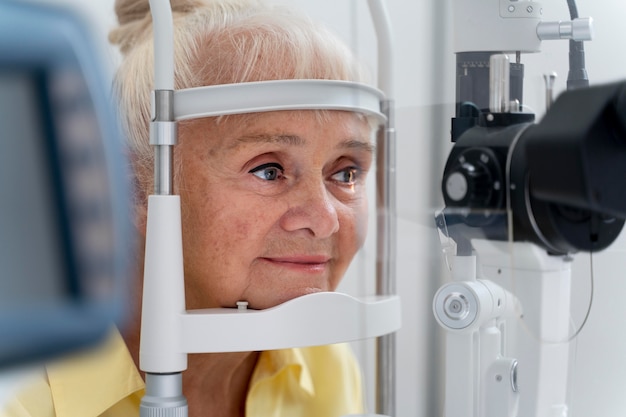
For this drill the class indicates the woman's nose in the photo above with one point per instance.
(313, 208)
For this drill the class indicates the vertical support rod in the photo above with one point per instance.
(386, 203)
(385, 207)
(385, 258)
(385, 48)
(163, 96)
(164, 393)
(163, 138)
(161, 12)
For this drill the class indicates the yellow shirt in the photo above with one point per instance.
(300, 382)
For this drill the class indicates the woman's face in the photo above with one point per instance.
(274, 205)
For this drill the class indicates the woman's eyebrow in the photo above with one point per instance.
(366, 146)
(293, 140)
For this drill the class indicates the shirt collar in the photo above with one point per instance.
(90, 383)
(274, 363)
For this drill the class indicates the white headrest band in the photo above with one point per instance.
(263, 96)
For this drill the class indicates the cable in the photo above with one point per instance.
(573, 10)
(577, 75)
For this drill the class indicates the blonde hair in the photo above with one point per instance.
(218, 42)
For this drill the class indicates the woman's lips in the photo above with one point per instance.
(305, 263)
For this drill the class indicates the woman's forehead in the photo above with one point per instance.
(266, 118)
(339, 142)
(288, 127)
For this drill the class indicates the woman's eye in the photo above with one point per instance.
(269, 172)
(347, 176)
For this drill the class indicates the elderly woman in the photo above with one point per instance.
(273, 207)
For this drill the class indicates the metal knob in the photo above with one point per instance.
(578, 29)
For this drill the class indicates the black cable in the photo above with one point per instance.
(577, 75)
(573, 10)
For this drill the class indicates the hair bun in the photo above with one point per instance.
(134, 19)
(130, 10)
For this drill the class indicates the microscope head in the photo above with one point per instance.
(558, 179)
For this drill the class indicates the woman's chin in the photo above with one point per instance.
(282, 298)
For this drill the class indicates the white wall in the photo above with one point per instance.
(424, 69)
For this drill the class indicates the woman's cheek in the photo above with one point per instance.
(362, 222)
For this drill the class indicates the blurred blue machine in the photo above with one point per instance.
(65, 238)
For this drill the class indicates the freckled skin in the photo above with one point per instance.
(274, 205)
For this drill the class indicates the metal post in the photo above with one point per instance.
(163, 138)
(163, 396)
(385, 207)
(385, 258)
